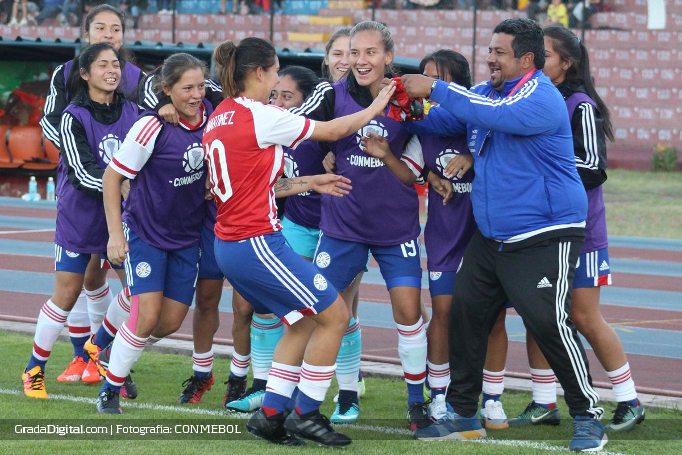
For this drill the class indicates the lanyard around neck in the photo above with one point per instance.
(518, 85)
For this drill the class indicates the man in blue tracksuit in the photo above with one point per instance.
(530, 207)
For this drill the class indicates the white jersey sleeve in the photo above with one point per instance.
(414, 157)
(137, 147)
(276, 126)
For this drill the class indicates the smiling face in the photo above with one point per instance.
(286, 93)
(338, 58)
(187, 94)
(103, 76)
(555, 67)
(369, 59)
(105, 27)
(501, 61)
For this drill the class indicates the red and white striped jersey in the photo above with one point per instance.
(243, 143)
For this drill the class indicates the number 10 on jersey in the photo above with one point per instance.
(214, 154)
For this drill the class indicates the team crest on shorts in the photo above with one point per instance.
(320, 282)
(435, 275)
(72, 254)
(143, 269)
(323, 259)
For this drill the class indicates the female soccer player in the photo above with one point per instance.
(381, 216)
(450, 222)
(243, 145)
(103, 24)
(90, 125)
(301, 230)
(157, 237)
(567, 64)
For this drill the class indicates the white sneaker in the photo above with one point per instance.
(493, 415)
(23, 21)
(13, 23)
(438, 408)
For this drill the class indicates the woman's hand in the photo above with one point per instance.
(332, 184)
(125, 189)
(440, 186)
(169, 114)
(375, 145)
(458, 166)
(382, 99)
(329, 163)
(117, 249)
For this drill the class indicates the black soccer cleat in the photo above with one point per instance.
(316, 427)
(108, 403)
(272, 428)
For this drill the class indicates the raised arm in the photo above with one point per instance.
(341, 127)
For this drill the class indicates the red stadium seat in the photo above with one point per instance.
(51, 151)
(6, 161)
(25, 146)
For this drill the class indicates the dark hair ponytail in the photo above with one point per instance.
(570, 48)
(235, 62)
(74, 82)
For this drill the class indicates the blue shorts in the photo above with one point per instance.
(593, 270)
(149, 269)
(342, 260)
(441, 283)
(208, 266)
(273, 278)
(69, 261)
(303, 240)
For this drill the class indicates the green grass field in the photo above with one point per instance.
(644, 204)
(382, 428)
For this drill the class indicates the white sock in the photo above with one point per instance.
(623, 385)
(439, 375)
(51, 320)
(98, 304)
(412, 351)
(315, 380)
(202, 362)
(544, 386)
(283, 379)
(125, 351)
(493, 382)
(78, 319)
(118, 312)
(239, 366)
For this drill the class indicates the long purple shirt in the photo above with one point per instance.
(81, 223)
(380, 210)
(449, 227)
(166, 206)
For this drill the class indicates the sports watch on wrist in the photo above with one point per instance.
(433, 86)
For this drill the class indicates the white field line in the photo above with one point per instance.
(375, 428)
(27, 231)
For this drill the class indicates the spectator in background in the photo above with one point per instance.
(75, 8)
(165, 6)
(557, 13)
(135, 8)
(536, 10)
(50, 9)
(15, 13)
